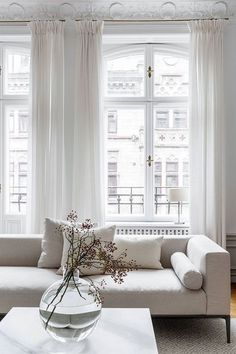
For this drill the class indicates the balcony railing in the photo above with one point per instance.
(129, 197)
(126, 196)
(132, 198)
(18, 196)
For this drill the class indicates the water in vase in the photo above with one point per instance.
(74, 317)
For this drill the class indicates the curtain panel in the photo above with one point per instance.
(47, 87)
(207, 197)
(55, 188)
(88, 166)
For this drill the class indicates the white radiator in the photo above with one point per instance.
(152, 230)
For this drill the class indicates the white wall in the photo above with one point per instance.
(230, 141)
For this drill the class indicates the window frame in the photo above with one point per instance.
(112, 121)
(149, 101)
(8, 101)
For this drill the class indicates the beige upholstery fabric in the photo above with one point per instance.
(52, 244)
(29, 247)
(187, 273)
(144, 250)
(170, 245)
(24, 286)
(105, 234)
(160, 290)
(20, 250)
(214, 264)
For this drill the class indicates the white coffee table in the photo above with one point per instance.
(119, 331)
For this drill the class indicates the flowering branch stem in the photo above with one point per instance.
(87, 250)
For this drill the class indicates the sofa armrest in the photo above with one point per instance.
(214, 264)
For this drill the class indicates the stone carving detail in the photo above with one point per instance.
(177, 9)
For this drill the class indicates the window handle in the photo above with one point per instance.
(149, 160)
(150, 71)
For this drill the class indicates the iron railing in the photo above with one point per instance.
(117, 196)
(18, 197)
(126, 196)
(132, 197)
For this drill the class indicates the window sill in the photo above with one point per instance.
(154, 224)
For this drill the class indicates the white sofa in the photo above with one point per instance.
(22, 283)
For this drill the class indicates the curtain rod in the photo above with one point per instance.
(125, 20)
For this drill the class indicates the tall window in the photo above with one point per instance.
(146, 97)
(14, 115)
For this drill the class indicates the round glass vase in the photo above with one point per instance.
(70, 308)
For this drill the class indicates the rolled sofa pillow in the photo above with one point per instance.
(187, 273)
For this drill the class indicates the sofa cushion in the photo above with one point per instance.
(144, 250)
(52, 244)
(170, 245)
(187, 273)
(104, 234)
(160, 290)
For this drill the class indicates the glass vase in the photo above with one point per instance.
(70, 309)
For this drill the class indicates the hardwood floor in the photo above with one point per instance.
(233, 300)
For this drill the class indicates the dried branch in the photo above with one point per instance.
(86, 250)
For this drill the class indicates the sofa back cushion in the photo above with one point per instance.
(25, 250)
(144, 250)
(170, 245)
(52, 244)
(20, 249)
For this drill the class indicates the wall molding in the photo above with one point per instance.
(231, 240)
(112, 9)
(231, 248)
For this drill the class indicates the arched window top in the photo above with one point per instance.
(124, 69)
(129, 69)
(125, 50)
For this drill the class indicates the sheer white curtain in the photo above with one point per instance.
(207, 130)
(47, 81)
(87, 191)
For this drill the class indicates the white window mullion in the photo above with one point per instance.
(149, 141)
(149, 169)
(149, 65)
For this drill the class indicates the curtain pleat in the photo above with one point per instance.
(88, 188)
(47, 129)
(207, 197)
